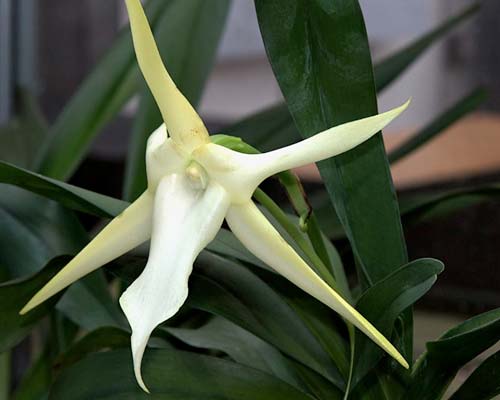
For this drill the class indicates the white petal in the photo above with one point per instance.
(163, 157)
(183, 123)
(258, 235)
(185, 220)
(240, 174)
(127, 231)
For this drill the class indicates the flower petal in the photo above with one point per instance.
(183, 123)
(258, 235)
(185, 220)
(127, 231)
(240, 174)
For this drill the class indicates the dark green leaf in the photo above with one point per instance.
(327, 82)
(21, 138)
(483, 383)
(247, 349)
(319, 319)
(103, 93)
(99, 339)
(229, 290)
(267, 129)
(321, 58)
(36, 381)
(47, 230)
(188, 42)
(421, 208)
(384, 302)
(169, 374)
(15, 294)
(68, 195)
(273, 127)
(4, 375)
(436, 368)
(439, 124)
(34, 231)
(243, 347)
(391, 67)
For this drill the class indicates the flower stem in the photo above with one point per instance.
(296, 235)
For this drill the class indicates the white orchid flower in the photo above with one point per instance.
(193, 185)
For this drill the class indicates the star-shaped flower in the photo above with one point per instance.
(193, 185)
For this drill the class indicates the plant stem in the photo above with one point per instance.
(296, 235)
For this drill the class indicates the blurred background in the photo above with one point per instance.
(48, 47)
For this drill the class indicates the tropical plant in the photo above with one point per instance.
(244, 332)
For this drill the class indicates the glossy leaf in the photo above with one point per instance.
(392, 66)
(385, 301)
(68, 195)
(225, 289)
(438, 124)
(14, 294)
(273, 127)
(99, 339)
(483, 383)
(268, 129)
(321, 58)
(103, 93)
(247, 349)
(170, 374)
(436, 368)
(187, 42)
(243, 347)
(31, 222)
(327, 88)
(421, 208)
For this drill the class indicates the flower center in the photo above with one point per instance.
(197, 175)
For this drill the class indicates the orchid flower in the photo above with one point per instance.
(193, 185)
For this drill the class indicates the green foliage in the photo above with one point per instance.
(245, 332)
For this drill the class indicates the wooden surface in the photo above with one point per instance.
(469, 148)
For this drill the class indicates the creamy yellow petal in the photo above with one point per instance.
(240, 174)
(259, 236)
(127, 231)
(183, 123)
(185, 220)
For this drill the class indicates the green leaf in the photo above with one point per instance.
(103, 93)
(21, 138)
(421, 208)
(385, 301)
(188, 42)
(30, 222)
(243, 347)
(36, 381)
(268, 129)
(247, 349)
(4, 375)
(169, 374)
(321, 58)
(15, 294)
(436, 368)
(391, 67)
(68, 195)
(483, 383)
(99, 339)
(439, 124)
(224, 288)
(273, 127)
(48, 230)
